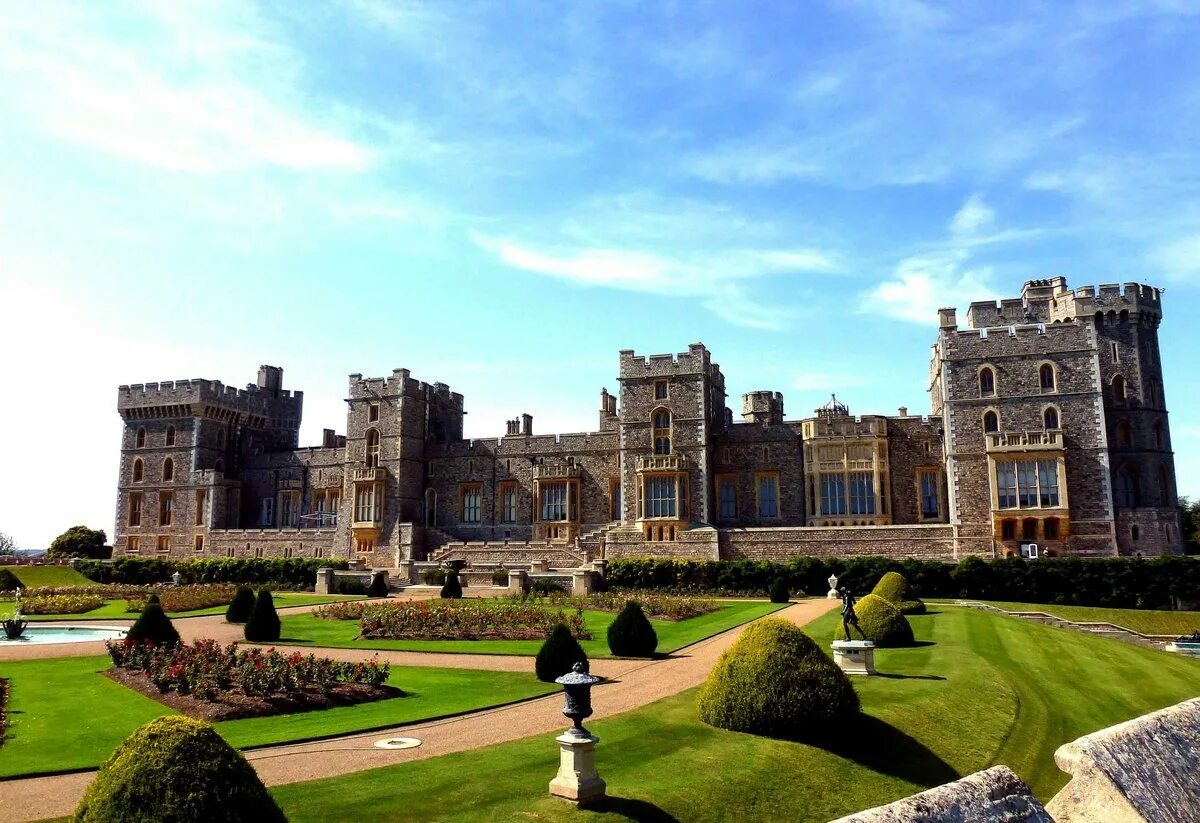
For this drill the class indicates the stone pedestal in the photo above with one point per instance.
(518, 581)
(539, 567)
(404, 572)
(582, 583)
(324, 582)
(577, 779)
(854, 656)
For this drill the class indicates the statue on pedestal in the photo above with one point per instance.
(849, 617)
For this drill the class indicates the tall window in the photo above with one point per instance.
(1050, 418)
(165, 504)
(135, 509)
(137, 470)
(1006, 485)
(1164, 487)
(469, 503)
(554, 500)
(1158, 434)
(614, 486)
(662, 432)
(266, 513)
(170, 435)
(1048, 483)
(1046, 378)
(727, 494)
(140, 438)
(289, 509)
(660, 496)
(987, 382)
(1127, 492)
(198, 543)
(372, 412)
(1120, 390)
(768, 495)
(372, 448)
(862, 493)
(930, 507)
(833, 494)
(508, 502)
(168, 470)
(364, 504)
(991, 422)
(1027, 484)
(201, 502)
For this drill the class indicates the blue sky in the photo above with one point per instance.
(501, 196)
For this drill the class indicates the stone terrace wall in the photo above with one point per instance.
(269, 543)
(929, 542)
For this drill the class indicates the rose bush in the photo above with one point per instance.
(466, 620)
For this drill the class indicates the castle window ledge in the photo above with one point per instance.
(365, 530)
(556, 470)
(372, 475)
(1025, 441)
(662, 462)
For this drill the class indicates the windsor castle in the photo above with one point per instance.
(1047, 425)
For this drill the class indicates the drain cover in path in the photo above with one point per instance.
(397, 743)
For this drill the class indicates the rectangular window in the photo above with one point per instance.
(862, 493)
(164, 508)
(660, 496)
(199, 543)
(164, 544)
(614, 486)
(660, 390)
(768, 495)
(930, 506)
(1027, 490)
(266, 514)
(833, 494)
(727, 494)
(364, 504)
(1048, 482)
(289, 509)
(135, 509)
(1006, 485)
(508, 502)
(1027, 484)
(469, 497)
(201, 502)
(132, 544)
(554, 500)
(372, 412)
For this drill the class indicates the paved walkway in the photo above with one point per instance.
(633, 684)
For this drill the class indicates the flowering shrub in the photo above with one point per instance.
(343, 610)
(466, 620)
(206, 669)
(184, 598)
(60, 604)
(663, 606)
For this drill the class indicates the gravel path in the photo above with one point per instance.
(633, 684)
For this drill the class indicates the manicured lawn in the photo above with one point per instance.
(64, 714)
(1146, 621)
(304, 629)
(116, 609)
(31, 576)
(989, 689)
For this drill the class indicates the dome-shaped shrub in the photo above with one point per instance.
(558, 654)
(263, 625)
(779, 591)
(177, 769)
(153, 625)
(893, 587)
(775, 681)
(379, 586)
(881, 622)
(452, 588)
(241, 606)
(631, 634)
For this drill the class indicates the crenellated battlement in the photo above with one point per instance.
(696, 360)
(1051, 301)
(401, 384)
(197, 391)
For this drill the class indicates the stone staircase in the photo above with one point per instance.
(590, 541)
(1110, 630)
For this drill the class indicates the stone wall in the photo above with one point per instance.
(931, 542)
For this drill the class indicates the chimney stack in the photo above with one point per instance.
(904, 411)
(526, 424)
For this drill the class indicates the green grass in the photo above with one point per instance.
(1146, 621)
(65, 714)
(304, 629)
(31, 576)
(116, 609)
(988, 689)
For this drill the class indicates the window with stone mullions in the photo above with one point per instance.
(768, 496)
(862, 493)
(470, 504)
(929, 495)
(554, 501)
(1027, 484)
(833, 494)
(660, 496)
(508, 504)
(728, 499)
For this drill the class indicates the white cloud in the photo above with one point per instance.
(974, 217)
(1179, 259)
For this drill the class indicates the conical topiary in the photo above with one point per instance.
(776, 681)
(779, 591)
(263, 625)
(379, 586)
(631, 634)
(558, 654)
(153, 625)
(241, 606)
(452, 588)
(178, 769)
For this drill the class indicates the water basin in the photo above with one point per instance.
(38, 635)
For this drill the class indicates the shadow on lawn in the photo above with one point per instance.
(894, 676)
(881, 747)
(641, 811)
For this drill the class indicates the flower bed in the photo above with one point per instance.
(243, 683)
(661, 606)
(184, 598)
(173, 598)
(60, 603)
(343, 610)
(465, 620)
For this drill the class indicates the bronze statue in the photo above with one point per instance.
(849, 617)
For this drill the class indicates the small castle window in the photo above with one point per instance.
(170, 435)
(991, 422)
(1046, 378)
(372, 448)
(164, 508)
(1120, 390)
(168, 470)
(987, 382)
(1008, 530)
(662, 431)
(1158, 434)
(199, 544)
(1050, 418)
(1029, 529)
(140, 438)
(372, 412)
(135, 509)
(137, 470)
(1124, 434)
(1134, 533)
(660, 389)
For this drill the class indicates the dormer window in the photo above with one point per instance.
(987, 382)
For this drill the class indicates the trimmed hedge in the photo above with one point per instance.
(776, 681)
(178, 769)
(559, 654)
(379, 586)
(153, 625)
(881, 622)
(1118, 582)
(8, 581)
(630, 634)
(263, 625)
(289, 572)
(241, 606)
(779, 591)
(893, 588)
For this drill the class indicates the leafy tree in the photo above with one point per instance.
(7, 544)
(1189, 521)
(779, 591)
(80, 541)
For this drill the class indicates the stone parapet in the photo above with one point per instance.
(932, 542)
(995, 795)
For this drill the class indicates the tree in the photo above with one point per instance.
(7, 544)
(241, 606)
(631, 634)
(153, 625)
(1189, 521)
(80, 541)
(263, 625)
(558, 655)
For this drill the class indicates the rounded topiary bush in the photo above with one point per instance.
(177, 769)
(631, 634)
(241, 606)
(379, 586)
(263, 625)
(779, 591)
(893, 587)
(153, 625)
(881, 622)
(559, 654)
(452, 588)
(8, 581)
(776, 681)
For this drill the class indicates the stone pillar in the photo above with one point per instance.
(404, 572)
(539, 567)
(325, 582)
(582, 583)
(577, 779)
(854, 656)
(518, 581)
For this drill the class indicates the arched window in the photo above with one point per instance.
(991, 422)
(1099, 319)
(1046, 378)
(1050, 418)
(1124, 434)
(219, 466)
(170, 435)
(140, 440)
(168, 470)
(430, 507)
(1120, 391)
(987, 382)
(1127, 488)
(662, 431)
(137, 470)
(372, 448)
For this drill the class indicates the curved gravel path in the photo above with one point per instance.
(633, 683)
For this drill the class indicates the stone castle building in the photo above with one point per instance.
(1047, 425)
